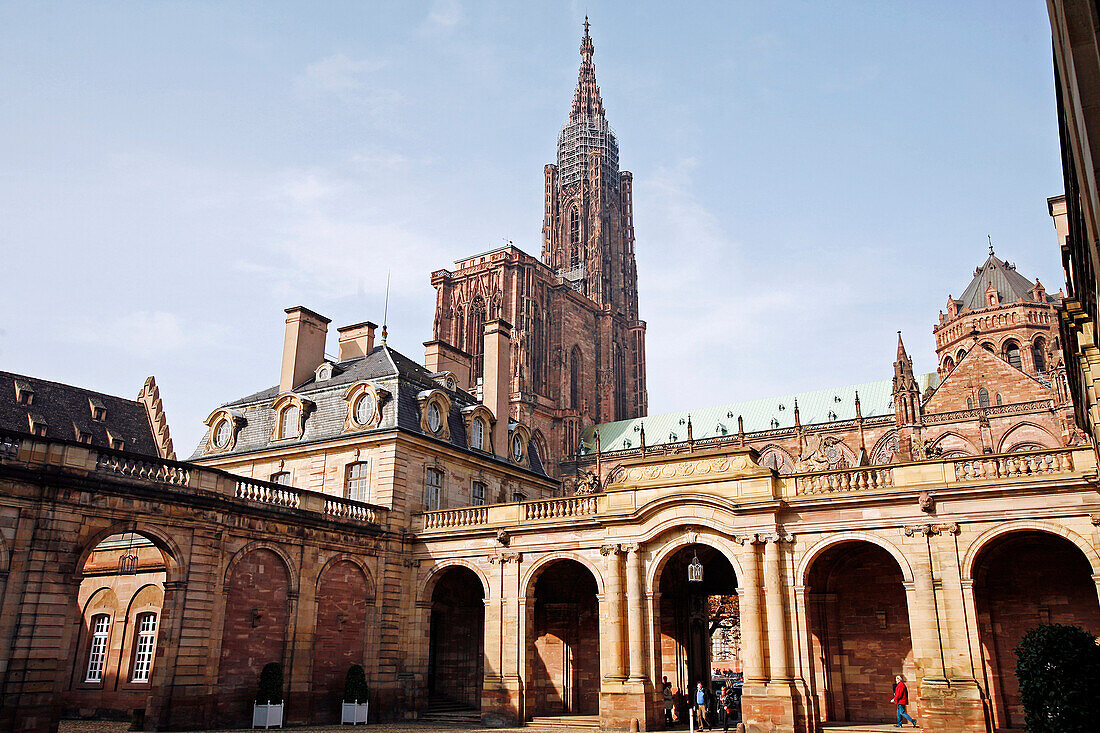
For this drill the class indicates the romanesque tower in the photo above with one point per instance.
(578, 347)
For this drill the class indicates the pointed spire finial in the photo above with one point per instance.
(990, 238)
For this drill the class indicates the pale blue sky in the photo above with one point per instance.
(809, 177)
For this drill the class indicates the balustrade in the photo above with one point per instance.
(853, 479)
(149, 470)
(570, 506)
(467, 517)
(346, 509)
(1013, 465)
(267, 493)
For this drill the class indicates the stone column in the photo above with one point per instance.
(752, 638)
(635, 613)
(613, 596)
(778, 652)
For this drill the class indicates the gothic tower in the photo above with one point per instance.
(578, 348)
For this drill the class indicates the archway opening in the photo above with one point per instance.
(344, 601)
(700, 621)
(1015, 591)
(120, 600)
(563, 647)
(456, 649)
(859, 633)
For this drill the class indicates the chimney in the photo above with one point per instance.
(1056, 207)
(356, 341)
(303, 346)
(496, 370)
(439, 356)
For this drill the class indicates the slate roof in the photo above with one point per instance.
(387, 369)
(1011, 285)
(875, 399)
(65, 409)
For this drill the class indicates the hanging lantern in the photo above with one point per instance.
(127, 563)
(695, 570)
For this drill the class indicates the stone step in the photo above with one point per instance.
(565, 722)
(862, 728)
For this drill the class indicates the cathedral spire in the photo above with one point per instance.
(586, 98)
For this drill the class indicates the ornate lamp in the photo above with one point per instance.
(127, 563)
(695, 570)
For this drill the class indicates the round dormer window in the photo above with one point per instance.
(364, 408)
(477, 434)
(450, 383)
(221, 434)
(517, 449)
(435, 417)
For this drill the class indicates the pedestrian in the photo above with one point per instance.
(666, 693)
(702, 696)
(901, 699)
(725, 706)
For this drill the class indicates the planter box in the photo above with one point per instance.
(268, 715)
(354, 712)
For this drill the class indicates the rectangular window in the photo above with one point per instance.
(433, 489)
(517, 496)
(143, 648)
(355, 481)
(477, 494)
(97, 651)
(282, 477)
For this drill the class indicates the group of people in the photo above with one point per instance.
(707, 708)
(726, 705)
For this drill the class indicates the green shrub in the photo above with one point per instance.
(355, 684)
(1058, 668)
(271, 683)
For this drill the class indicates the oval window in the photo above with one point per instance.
(477, 434)
(364, 408)
(221, 434)
(517, 449)
(435, 417)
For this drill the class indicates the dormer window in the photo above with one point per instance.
(24, 393)
(435, 406)
(222, 434)
(115, 442)
(435, 417)
(288, 422)
(290, 416)
(224, 425)
(37, 425)
(364, 406)
(477, 434)
(517, 449)
(99, 410)
(82, 436)
(323, 372)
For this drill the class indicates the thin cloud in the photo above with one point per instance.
(142, 333)
(444, 16)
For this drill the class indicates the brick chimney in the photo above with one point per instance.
(356, 341)
(303, 346)
(496, 372)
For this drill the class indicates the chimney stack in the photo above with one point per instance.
(496, 372)
(303, 346)
(356, 341)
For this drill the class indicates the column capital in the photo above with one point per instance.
(506, 557)
(930, 530)
(633, 548)
(1095, 519)
(606, 550)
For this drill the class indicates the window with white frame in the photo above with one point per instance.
(282, 477)
(97, 650)
(477, 434)
(355, 481)
(288, 428)
(433, 489)
(143, 647)
(477, 493)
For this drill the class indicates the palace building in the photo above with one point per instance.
(502, 534)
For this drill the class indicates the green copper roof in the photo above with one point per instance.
(772, 413)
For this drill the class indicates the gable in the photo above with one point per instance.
(981, 368)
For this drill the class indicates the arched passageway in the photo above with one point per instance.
(120, 600)
(859, 633)
(563, 642)
(456, 648)
(700, 625)
(1015, 591)
(344, 599)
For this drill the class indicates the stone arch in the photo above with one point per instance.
(1026, 433)
(782, 458)
(545, 561)
(343, 617)
(175, 565)
(372, 592)
(708, 536)
(806, 562)
(982, 541)
(435, 572)
(954, 443)
(288, 563)
(538, 440)
(885, 449)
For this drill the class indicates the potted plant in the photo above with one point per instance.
(267, 711)
(354, 709)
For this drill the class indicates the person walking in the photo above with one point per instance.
(701, 700)
(666, 694)
(726, 705)
(901, 699)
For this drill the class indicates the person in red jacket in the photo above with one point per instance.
(901, 699)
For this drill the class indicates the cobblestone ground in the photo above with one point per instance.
(110, 726)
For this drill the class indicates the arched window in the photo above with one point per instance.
(477, 434)
(988, 347)
(574, 237)
(97, 648)
(1039, 355)
(288, 422)
(969, 403)
(143, 647)
(948, 364)
(960, 355)
(1012, 354)
(575, 378)
(620, 384)
(475, 342)
(998, 399)
(983, 397)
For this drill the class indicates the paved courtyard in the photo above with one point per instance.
(111, 726)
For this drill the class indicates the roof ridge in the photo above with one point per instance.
(70, 386)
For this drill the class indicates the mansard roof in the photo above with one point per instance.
(814, 407)
(1011, 285)
(384, 367)
(67, 410)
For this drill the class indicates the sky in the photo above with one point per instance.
(809, 178)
